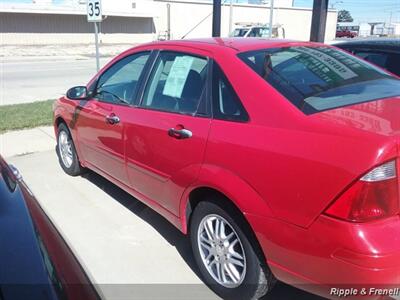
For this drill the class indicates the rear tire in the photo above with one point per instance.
(242, 274)
(66, 152)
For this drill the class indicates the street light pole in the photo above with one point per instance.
(271, 17)
(168, 21)
(230, 16)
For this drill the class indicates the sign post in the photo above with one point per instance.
(95, 15)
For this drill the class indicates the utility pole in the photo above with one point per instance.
(230, 16)
(216, 20)
(168, 37)
(318, 23)
(271, 17)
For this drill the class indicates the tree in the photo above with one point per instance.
(344, 16)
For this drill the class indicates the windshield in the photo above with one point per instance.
(321, 78)
(259, 32)
(240, 32)
(264, 32)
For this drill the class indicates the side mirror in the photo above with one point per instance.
(78, 93)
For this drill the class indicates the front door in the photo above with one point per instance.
(167, 134)
(100, 124)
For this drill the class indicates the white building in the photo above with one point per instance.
(136, 21)
(387, 29)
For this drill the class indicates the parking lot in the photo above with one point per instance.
(127, 250)
(275, 146)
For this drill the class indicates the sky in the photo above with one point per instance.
(363, 10)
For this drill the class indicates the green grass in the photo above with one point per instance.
(27, 115)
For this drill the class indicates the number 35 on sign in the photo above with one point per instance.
(94, 12)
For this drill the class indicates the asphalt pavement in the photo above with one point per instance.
(30, 79)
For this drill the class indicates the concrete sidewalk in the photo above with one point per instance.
(27, 141)
(61, 50)
(127, 250)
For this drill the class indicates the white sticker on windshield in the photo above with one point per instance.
(177, 76)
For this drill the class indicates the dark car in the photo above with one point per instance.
(382, 52)
(35, 261)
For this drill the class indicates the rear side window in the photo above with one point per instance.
(177, 83)
(320, 78)
(226, 104)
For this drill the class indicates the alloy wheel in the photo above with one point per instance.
(65, 148)
(221, 251)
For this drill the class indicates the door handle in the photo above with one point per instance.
(180, 133)
(112, 119)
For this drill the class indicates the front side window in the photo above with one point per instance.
(321, 78)
(119, 83)
(176, 84)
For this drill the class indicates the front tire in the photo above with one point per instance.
(66, 152)
(225, 255)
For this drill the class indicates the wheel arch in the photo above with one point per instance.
(217, 180)
(230, 192)
(58, 120)
(198, 195)
(59, 116)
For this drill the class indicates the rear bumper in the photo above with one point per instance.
(332, 253)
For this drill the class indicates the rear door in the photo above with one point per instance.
(167, 134)
(100, 124)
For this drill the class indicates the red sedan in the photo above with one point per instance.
(279, 159)
(345, 33)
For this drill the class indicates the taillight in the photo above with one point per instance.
(373, 196)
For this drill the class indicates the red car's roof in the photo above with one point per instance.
(238, 44)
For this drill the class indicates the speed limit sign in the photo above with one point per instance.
(94, 13)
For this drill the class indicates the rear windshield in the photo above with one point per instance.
(320, 78)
